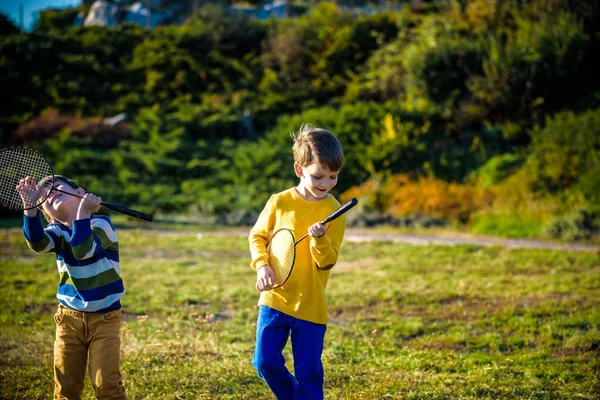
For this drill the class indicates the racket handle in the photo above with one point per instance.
(116, 207)
(340, 210)
(334, 215)
(128, 211)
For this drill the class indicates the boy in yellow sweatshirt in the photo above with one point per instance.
(298, 308)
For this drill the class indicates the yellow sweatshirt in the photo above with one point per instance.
(303, 295)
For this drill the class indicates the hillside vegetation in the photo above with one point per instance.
(483, 114)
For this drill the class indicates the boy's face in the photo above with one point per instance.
(316, 180)
(60, 206)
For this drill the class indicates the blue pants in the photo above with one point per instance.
(272, 332)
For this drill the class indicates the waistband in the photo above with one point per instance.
(79, 314)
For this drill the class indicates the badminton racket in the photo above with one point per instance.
(17, 163)
(281, 247)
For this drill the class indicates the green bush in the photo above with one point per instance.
(578, 225)
(56, 19)
(382, 77)
(498, 168)
(565, 154)
(441, 60)
(533, 66)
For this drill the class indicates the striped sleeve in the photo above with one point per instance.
(38, 239)
(92, 236)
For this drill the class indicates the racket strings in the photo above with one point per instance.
(282, 255)
(17, 163)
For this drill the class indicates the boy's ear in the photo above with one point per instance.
(298, 170)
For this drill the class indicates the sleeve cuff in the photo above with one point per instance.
(259, 262)
(82, 230)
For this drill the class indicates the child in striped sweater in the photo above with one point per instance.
(88, 318)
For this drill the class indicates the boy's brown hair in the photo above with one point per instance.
(317, 145)
(46, 182)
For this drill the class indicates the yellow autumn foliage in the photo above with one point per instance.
(401, 195)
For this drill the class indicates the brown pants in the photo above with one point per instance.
(80, 336)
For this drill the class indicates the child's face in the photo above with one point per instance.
(60, 206)
(316, 180)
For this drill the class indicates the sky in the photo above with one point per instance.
(30, 7)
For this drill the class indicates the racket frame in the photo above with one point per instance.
(51, 174)
(112, 206)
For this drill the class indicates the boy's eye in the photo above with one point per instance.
(320, 177)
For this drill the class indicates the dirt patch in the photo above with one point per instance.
(463, 239)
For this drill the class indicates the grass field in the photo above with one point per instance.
(406, 322)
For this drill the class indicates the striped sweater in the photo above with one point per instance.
(87, 256)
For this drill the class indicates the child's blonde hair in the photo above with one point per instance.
(46, 182)
(317, 145)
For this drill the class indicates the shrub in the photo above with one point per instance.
(383, 76)
(531, 68)
(56, 19)
(497, 169)
(566, 154)
(440, 61)
(578, 225)
(399, 195)
(52, 124)
(433, 196)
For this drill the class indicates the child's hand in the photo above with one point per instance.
(264, 279)
(90, 203)
(29, 191)
(317, 230)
